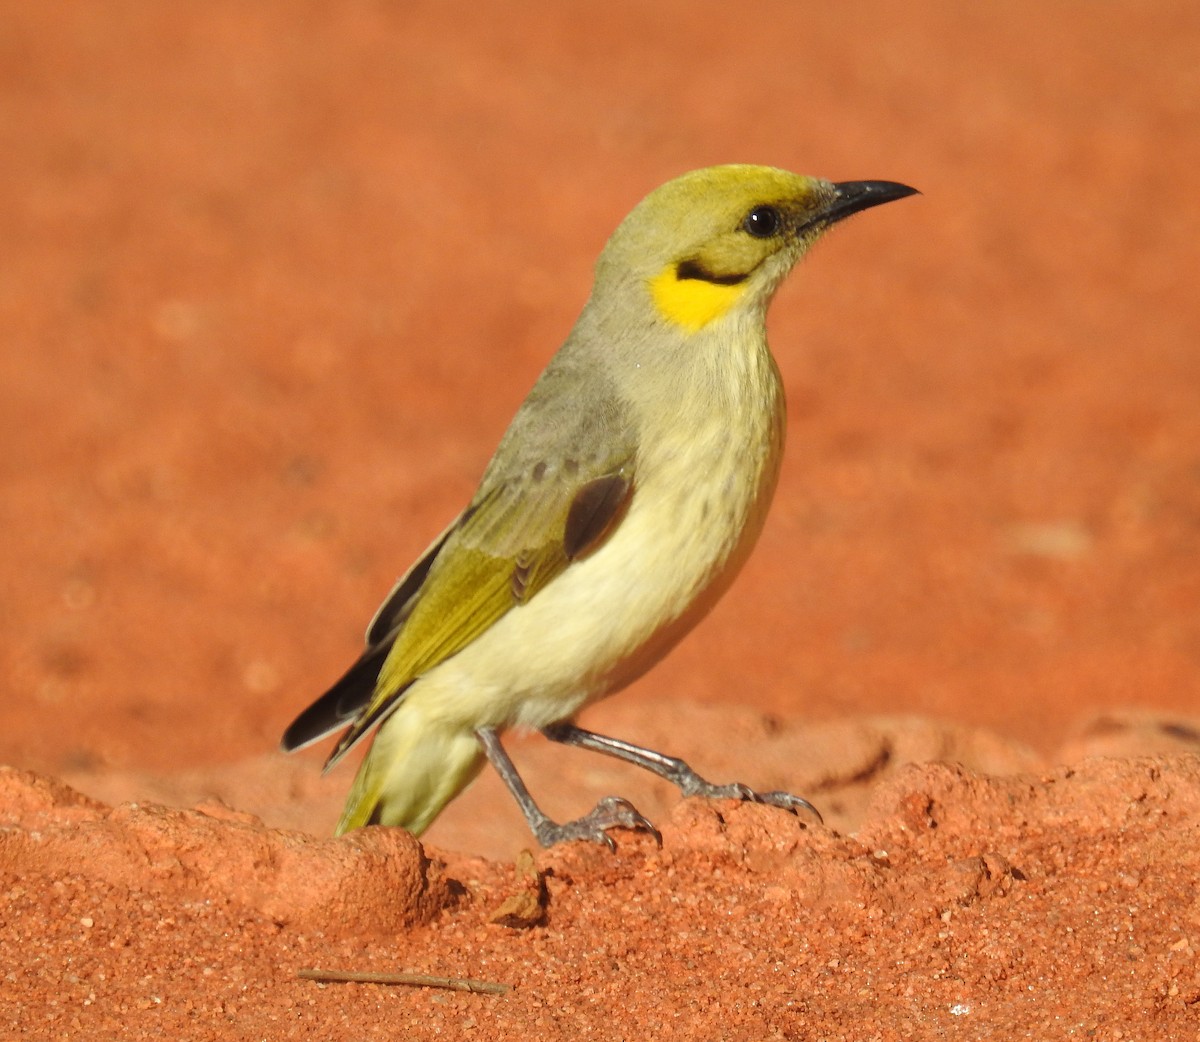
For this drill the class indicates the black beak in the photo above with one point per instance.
(853, 196)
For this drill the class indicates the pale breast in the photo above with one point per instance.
(702, 489)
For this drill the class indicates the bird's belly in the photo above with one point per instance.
(612, 615)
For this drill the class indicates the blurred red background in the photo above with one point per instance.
(276, 276)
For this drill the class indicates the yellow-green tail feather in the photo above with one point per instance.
(412, 770)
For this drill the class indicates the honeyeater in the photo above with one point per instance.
(625, 495)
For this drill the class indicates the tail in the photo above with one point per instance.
(412, 770)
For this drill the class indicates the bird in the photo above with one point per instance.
(621, 502)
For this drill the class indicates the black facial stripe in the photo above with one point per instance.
(693, 269)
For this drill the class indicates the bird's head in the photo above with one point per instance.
(724, 237)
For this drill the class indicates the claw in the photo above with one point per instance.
(789, 802)
(611, 812)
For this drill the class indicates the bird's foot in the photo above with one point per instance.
(612, 812)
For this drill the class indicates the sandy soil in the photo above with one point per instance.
(275, 278)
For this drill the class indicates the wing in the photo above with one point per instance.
(558, 486)
(508, 547)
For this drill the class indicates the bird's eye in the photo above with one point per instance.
(762, 222)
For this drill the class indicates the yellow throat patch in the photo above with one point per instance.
(692, 303)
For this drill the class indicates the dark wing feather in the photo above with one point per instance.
(343, 702)
(340, 704)
(597, 506)
(398, 604)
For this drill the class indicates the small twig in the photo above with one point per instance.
(416, 980)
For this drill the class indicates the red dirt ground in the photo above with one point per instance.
(275, 278)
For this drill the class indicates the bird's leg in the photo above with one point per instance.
(673, 770)
(610, 812)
